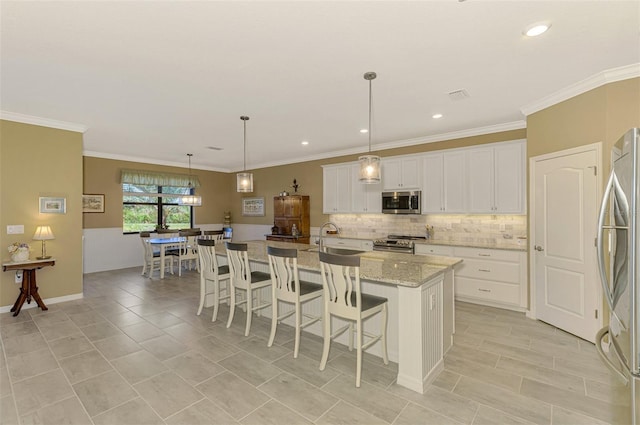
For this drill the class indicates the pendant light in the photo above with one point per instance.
(369, 164)
(244, 180)
(190, 199)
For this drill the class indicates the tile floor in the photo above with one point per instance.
(134, 352)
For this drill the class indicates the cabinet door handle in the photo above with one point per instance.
(484, 255)
(484, 290)
(484, 270)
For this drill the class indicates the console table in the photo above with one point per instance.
(29, 288)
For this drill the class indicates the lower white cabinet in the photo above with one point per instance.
(494, 277)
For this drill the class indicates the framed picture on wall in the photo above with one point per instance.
(253, 206)
(50, 205)
(92, 203)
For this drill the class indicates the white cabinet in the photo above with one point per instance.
(444, 182)
(496, 179)
(336, 193)
(428, 249)
(365, 198)
(492, 277)
(402, 173)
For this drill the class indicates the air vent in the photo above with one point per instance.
(461, 94)
(214, 148)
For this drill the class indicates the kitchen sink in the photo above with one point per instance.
(338, 251)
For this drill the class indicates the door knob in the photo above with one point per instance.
(538, 248)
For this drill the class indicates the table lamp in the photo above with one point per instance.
(43, 233)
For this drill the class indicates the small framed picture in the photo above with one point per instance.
(92, 203)
(253, 206)
(53, 205)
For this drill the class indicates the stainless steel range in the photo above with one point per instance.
(397, 243)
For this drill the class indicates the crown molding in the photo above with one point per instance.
(593, 82)
(43, 122)
(478, 131)
(117, 157)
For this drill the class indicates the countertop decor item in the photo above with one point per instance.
(43, 233)
(295, 186)
(19, 252)
(190, 199)
(227, 218)
(284, 193)
(244, 180)
(369, 164)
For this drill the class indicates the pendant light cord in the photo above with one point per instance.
(189, 155)
(370, 103)
(244, 119)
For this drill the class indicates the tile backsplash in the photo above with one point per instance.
(501, 230)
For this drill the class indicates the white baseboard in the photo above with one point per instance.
(47, 301)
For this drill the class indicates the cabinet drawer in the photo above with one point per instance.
(498, 271)
(492, 254)
(424, 249)
(365, 245)
(491, 291)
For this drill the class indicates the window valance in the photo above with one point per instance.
(158, 179)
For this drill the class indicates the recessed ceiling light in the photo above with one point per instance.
(304, 142)
(364, 131)
(536, 29)
(436, 116)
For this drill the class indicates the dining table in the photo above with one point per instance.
(163, 244)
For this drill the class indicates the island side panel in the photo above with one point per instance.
(420, 334)
(448, 311)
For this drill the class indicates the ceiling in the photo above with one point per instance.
(153, 81)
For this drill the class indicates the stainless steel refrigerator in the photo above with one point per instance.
(618, 247)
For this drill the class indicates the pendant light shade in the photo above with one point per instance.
(190, 200)
(244, 180)
(369, 164)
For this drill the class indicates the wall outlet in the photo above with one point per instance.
(18, 276)
(15, 229)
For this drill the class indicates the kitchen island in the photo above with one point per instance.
(421, 305)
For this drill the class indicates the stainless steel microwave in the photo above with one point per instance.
(401, 202)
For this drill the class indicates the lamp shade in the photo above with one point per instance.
(190, 200)
(43, 233)
(244, 182)
(369, 169)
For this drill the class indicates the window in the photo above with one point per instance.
(146, 206)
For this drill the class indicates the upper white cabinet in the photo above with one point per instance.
(496, 179)
(336, 193)
(365, 198)
(444, 181)
(402, 173)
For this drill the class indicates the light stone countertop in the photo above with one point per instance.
(390, 268)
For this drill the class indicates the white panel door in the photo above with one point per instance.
(343, 189)
(481, 180)
(564, 256)
(432, 184)
(455, 182)
(391, 176)
(410, 170)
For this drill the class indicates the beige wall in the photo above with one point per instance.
(102, 176)
(599, 115)
(38, 161)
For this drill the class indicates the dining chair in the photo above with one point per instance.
(244, 279)
(287, 287)
(185, 251)
(343, 299)
(217, 235)
(211, 272)
(152, 257)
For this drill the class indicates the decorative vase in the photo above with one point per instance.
(20, 255)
